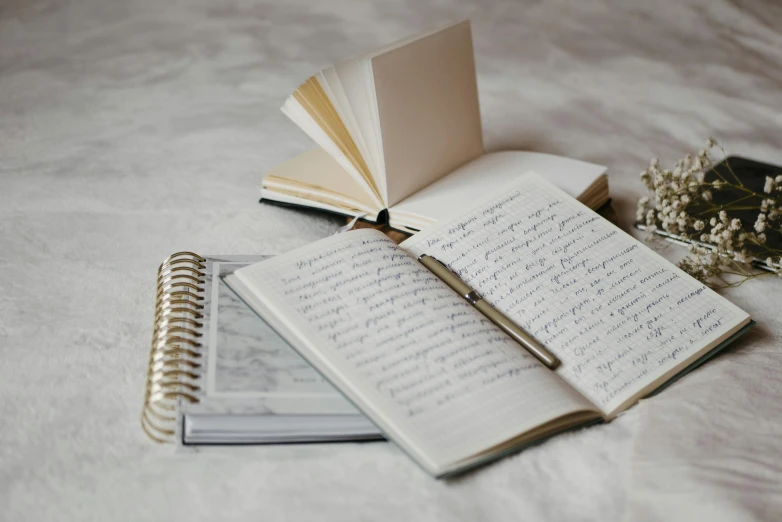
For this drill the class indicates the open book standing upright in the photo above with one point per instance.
(445, 383)
(401, 139)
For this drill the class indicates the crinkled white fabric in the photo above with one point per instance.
(133, 129)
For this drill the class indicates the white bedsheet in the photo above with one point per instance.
(130, 130)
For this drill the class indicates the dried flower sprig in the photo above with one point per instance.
(683, 202)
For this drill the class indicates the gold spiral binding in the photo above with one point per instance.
(174, 368)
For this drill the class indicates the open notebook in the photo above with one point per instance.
(445, 383)
(400, 138)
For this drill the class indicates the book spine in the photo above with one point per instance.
(176, 351)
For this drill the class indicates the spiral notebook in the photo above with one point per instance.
(219, 374)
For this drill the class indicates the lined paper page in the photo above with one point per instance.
(426, 366)
(616, 314)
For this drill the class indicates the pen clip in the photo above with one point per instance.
(444, 265)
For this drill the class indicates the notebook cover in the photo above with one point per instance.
(249, 370)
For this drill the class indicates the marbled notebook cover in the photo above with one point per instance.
(248, 369)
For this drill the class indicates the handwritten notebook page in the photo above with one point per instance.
(430, 370)
(620, 317)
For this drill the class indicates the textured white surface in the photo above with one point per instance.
(130, 130)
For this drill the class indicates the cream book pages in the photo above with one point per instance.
(304, 180)
(399, 118)
(403, 125)
(621, 319)
(482, 176)
(443, 382)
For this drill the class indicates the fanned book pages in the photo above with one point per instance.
(445, 383)
(220, 375)
(400, 138)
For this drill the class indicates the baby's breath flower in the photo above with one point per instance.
(769, 186)
(678, 198)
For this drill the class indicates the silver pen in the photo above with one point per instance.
(491, 313)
